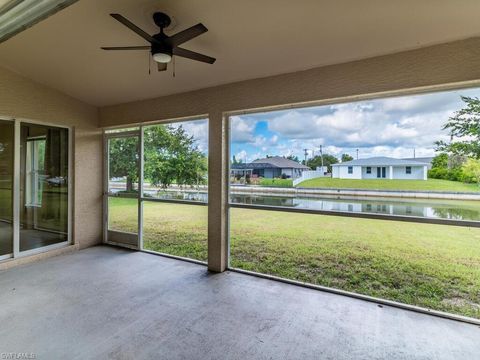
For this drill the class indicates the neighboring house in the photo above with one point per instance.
(381, 168)
(270, 168)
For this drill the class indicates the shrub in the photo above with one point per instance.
(455, 175)
(438, 173)
(471, 170)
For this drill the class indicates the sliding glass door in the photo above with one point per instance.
(6, 187)
(43, 186)
(34, 188)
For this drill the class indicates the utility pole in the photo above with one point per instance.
(321, 155)
(306, 154)
(414, 156)
(357, 154)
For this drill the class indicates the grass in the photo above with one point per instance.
(276, 182)
(382, 184)
(168, 228)
(433, 266)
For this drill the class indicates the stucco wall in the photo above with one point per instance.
(400, 173)
(22, 98)
(342, 172)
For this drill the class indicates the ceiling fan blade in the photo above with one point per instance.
(133, 27)
(187, 34)
(162, 66)
(125, 47)
(193, 55)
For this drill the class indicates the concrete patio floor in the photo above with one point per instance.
(109, 303)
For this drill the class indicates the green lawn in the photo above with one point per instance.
(433, 266)
(382, 184)
(277, 182)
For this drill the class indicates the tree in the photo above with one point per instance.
(172, 156)
(447, 167)
(464, 130)
(440, 161)
(123, 153)
(346, 157)
(471, 170)
(293, 158)
(235, 161)
(316, 161)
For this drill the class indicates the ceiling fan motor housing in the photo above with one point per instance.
(161, 45)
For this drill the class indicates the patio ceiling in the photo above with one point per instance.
(249, 38)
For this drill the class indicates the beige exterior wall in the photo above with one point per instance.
(22, 98)
(443, 66)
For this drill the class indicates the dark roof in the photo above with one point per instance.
(277, 162)
(281, 162)
(381, 161)
(252, 166)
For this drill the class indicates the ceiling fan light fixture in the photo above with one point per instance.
(163, 58)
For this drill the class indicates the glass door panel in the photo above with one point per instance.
(43, 186)
(123, 174)
(7, 129)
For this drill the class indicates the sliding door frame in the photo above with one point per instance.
(11, 255)
(17, 185)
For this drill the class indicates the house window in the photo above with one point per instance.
(408, 169)
(350, 169)
(369, 170)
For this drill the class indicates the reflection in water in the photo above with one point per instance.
(427, 208)
(444, 209)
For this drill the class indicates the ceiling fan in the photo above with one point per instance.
(162, 46)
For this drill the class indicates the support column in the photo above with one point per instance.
(390, 172)
(217, 192)
(425, 173)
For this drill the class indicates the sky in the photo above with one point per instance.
(392, 127)
(198, 129)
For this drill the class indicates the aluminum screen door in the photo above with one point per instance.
(122, 163)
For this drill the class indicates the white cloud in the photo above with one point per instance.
(357, 125)
(198, 129)
(241, 156)
(385, 127)
(242, 130)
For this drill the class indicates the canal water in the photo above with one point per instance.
(426, 208)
